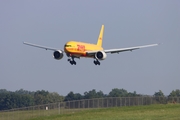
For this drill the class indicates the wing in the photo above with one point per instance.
(39, 46)
(122, 49)
(128, 49)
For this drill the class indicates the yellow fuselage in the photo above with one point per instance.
(79, 49)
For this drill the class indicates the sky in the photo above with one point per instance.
(54, 22)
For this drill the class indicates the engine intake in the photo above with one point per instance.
(100, 55)
(58, 54)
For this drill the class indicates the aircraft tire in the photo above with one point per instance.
(71, 62)
(95, 62)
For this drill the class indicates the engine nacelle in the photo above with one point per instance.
(100, 55)
(58, 54)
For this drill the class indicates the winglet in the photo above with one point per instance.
(100, 38)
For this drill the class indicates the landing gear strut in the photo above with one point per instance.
(96, 62)
(71, 61)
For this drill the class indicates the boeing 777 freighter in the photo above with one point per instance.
(75, 49)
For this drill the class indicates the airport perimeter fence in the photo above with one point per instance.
(79, 105)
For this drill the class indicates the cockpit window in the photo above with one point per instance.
(67, 45)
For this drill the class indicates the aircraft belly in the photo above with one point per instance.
(79, 54)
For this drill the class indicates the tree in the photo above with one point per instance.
(21, 91)
(24, 98)
(118, 93)
(159, 94)
(133, 94)
(93, 94)
(100, 94)
(160, 97)
(70, 96)
(5, 101)
(41, 97)
(78, 96)
(3, 91)
(175, 93)
(55, 97)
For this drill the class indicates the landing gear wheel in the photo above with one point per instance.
(68, 59)
(73, 62)
(96, 62)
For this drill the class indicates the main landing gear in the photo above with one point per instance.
(71, 61)
(96, 62)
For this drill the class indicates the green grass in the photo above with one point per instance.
(149, 112)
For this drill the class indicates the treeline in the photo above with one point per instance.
(94, 94)
(24, 98)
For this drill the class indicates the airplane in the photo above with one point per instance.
(75, 49)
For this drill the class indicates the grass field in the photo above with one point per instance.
(149, 112)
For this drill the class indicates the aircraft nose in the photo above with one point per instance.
(65, 49)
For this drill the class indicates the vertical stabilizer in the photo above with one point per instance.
(100, 38)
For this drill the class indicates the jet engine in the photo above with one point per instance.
(58, 54)
(100, 55)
